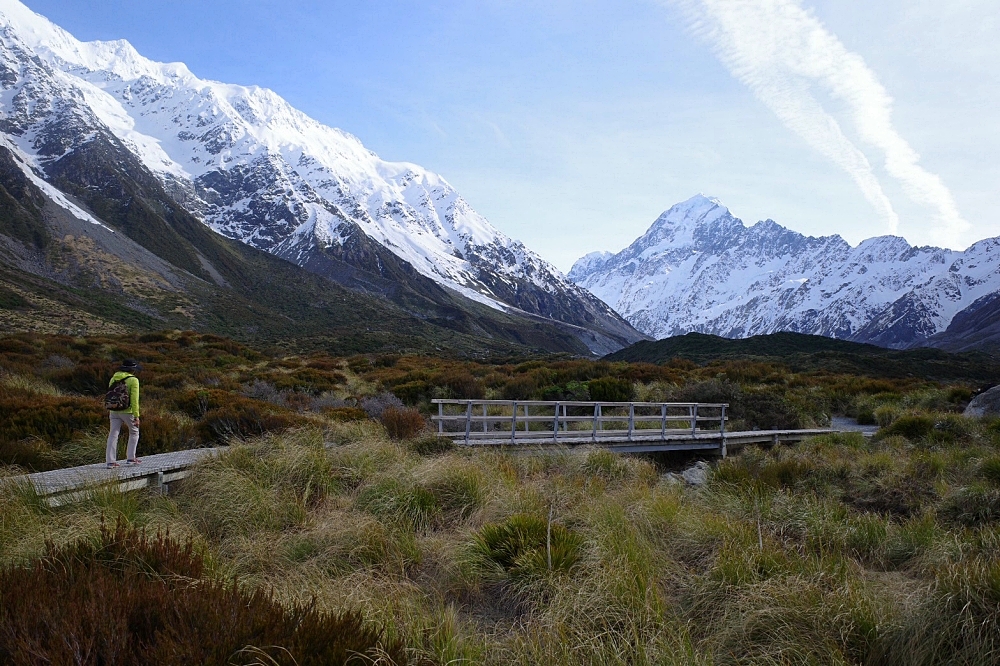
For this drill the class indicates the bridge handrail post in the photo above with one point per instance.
(440, 418)
(468, 420)
(722, 432)
(631, 420)
(513, 422)
(663, 421)
(694, 419)
(597, 412)
(484, 417)
(555, 423)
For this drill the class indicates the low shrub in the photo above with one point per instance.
(413, 392)
(431, 445)
(610, 389)
(308, 380)
(243, 419)
(48, 419)
(375, 405)
(161, 433)
(85, 378)
(766, 409)
(197, 403)
(402, 423)
(344, 414)
(126, 599)
(462, 385)
(31, 453)
(914, 427)
(522, 387)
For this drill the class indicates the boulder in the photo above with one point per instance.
(696, 475)
(986, 403)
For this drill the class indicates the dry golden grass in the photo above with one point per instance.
(836, 551)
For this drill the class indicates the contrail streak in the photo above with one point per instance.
(785, 55)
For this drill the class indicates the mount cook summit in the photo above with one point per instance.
(700, 269)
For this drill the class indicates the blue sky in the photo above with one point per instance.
(572, 125)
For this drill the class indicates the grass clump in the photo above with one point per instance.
(523, 547)
(266, 484)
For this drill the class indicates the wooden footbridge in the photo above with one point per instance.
(626, 427)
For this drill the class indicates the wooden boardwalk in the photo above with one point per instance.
(61, 486)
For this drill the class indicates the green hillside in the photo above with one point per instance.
(805, 353)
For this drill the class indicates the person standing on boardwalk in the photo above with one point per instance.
(127, 417)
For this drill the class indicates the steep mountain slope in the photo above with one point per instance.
(698, 268)
(256, 170)
(110, 252)
(975, 327)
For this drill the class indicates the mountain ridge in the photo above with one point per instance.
(257, 170)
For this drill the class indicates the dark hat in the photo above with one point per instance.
(130, 364)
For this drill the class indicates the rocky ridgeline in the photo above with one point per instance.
(700, 269)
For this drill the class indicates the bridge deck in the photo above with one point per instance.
(620, 441)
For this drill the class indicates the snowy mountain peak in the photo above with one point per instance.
(257, 170)
(697, 210)
(589, 263)
(698, 268)
(116, 57)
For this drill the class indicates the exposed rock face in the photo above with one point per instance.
(975, 327)
(699, 269)
(986, 403)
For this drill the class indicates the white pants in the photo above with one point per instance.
(117, 420)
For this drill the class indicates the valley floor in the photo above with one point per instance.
(837, 550)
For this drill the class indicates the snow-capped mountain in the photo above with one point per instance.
(257, 170)
(700, 269)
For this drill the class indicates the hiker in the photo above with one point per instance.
(123, 403)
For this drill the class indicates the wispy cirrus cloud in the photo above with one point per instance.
(789, 60)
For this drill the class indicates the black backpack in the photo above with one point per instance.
(117, 398)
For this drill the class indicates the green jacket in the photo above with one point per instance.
(133, 391)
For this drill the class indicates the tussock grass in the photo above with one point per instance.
(839, 550)
(31, 384)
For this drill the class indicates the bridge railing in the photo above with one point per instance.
(575, 421)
